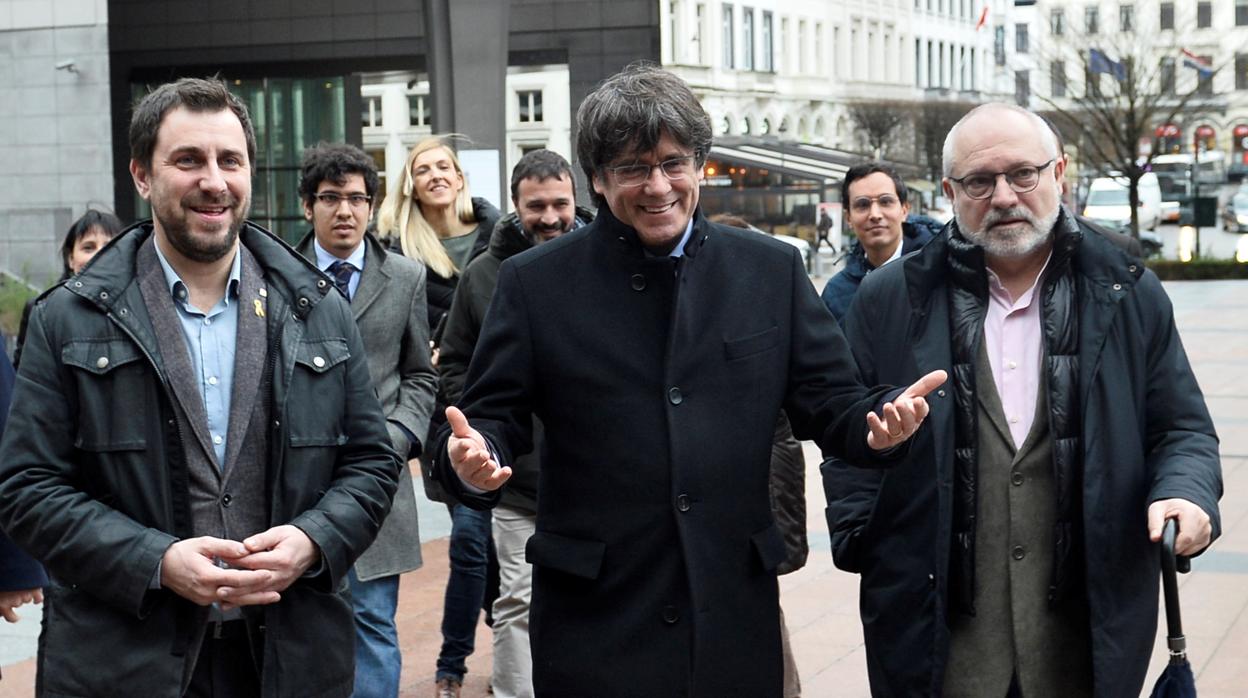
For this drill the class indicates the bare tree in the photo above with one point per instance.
(934, 120)
(878, 119)
(1126, 89)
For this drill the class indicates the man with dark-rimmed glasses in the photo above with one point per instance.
(657, 348)
(1012, 554)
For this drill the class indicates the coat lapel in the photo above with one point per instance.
(373, 280)
(250, 349)
(182, 379)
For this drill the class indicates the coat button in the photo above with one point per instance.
(1016, 478)
(320, 283)
(639, 282)
(941, 392)
(1018, 553)
(303, 302)
(101, 362)
(674, 396)
(1117, 287)
(670, 615)
(1132, 268)
(226, 499)
(318, 362)
(682, 502)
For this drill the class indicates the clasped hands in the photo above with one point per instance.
(256, 570)
(475, 464)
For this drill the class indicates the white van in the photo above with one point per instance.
(1109, 202)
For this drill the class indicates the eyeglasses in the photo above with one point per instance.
(981, 185)
(636, 175)
(862, 204)
(331, 199)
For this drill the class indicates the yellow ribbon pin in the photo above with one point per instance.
(259, 308)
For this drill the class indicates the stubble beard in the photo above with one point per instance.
(200, 248)
(1013, 244)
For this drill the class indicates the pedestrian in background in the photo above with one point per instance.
(544, 196)
(86, 236)
(432, 218)
(338, 185)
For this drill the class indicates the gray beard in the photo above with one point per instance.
(1013, 245)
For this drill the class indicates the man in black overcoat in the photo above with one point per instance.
(657, 349)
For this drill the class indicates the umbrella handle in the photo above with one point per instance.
(1171, 564)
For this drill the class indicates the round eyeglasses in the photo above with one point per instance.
(331, 199)
(981, 185)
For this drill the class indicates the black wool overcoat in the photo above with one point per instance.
(659, 381)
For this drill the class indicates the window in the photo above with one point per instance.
(530, 106)
(1126, 18)
(699, 53)
(1204, 15)
(918, 63)
(1091, 20)
(1167, 15)
(1020, 38)
(370, 114)
(418, 110)
(1022, 87)
(1057, 75)
(801, 46)
(769, 64)
(818, 67)
(1057, 24)
(1241, 13)
(673, 14)
(729, 53)
(998, 44)
(1204, 80)
(1165, 77)
(1241, 71)
(747, 38)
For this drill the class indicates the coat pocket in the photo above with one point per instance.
(317, 393)
(575, 556)
(769, 546)
(111, 380)
(750, 345)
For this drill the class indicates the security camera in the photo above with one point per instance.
(67, 65)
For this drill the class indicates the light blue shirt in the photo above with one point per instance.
(324, 259)
(679, 250)
(210, 338)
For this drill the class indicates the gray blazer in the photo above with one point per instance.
(389, 307)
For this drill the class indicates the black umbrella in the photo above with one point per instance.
(1177, 680)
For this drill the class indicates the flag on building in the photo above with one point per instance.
(1098, 62)
(1200, 64)
(983, 18)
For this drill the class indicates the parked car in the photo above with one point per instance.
(1235, 213)
(1109, 202)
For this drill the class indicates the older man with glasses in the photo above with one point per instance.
(1012, 553)
(658, 348)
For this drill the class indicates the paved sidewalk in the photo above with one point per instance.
(821, 602)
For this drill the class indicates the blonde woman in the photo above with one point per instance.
(432, 218)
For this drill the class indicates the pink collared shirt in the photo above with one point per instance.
(1014, 340)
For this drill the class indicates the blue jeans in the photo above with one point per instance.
(378, 660)
(465, 589)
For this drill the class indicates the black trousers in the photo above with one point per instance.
(226, 667)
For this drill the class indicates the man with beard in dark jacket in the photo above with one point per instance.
(658, 349)
(1014, 551)
(195, 451)
(543, 194)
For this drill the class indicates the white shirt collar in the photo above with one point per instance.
(324, 259)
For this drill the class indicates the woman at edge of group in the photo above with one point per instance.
(432, 218)
(86, 236)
